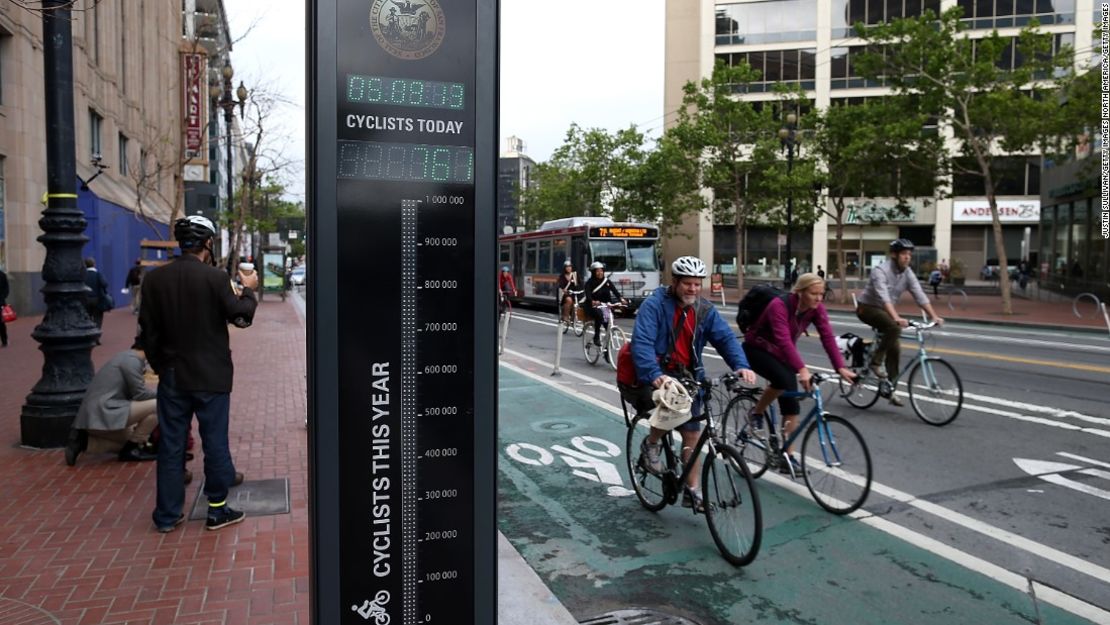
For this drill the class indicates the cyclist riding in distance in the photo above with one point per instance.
(672, 328)
(568, 281)
(598, 289)
(770, 345)
(876, 307)
(505, 282)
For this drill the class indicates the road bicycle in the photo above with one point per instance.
(935, 389)
(576, 319)
(834, 462)
(610, 337)
(504, 315)
(730, 502)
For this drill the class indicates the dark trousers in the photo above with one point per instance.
(175, 417)
(3, 333)
(890, 333)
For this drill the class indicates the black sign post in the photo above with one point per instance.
(401, 279)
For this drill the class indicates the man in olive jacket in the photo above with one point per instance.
(186, 306)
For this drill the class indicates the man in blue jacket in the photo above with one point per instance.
(672, 328)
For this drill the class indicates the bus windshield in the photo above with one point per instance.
(624, 255)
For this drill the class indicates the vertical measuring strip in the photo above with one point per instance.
(409, 289)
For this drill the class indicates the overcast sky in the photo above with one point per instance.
(598, 63)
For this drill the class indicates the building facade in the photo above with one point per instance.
(811, 44)
(131, 119)
(514, 174)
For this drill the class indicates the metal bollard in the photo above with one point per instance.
(1105, 315)
(504, 332)
(558, 347)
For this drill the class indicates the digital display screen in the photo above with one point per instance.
(623, 232)
(411, 162)
(405, 92)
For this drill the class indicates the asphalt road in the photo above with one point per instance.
(1019, 481)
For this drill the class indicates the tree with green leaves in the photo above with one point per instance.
(873, 150)
(996, 96)
(736, 145)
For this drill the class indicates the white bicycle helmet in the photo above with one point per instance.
(672, 405)
(597, 264)
(688, 267)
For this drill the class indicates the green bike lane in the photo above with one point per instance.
(565, 503)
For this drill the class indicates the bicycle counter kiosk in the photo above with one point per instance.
(402, 371)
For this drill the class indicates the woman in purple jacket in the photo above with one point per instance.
(772, 353)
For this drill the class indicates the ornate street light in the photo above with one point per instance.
(227, 102)
(787, 135)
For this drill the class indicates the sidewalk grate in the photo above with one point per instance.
(255, 497)
(637, 616)
(18, 613)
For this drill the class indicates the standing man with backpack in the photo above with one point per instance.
(672, 328)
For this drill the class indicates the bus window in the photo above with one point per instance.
(505, 254)
(641, 256)
(610, 252)
(545, 258)
(558, 255)
(530, 257)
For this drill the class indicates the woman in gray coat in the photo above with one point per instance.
(118, 412)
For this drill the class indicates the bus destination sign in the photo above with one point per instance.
(623, 232)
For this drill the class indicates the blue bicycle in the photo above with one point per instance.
(835, 463)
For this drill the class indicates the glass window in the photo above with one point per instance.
(123, 169)
(641, 256)
(3, 236)
(544, 265)
(808, 60)
(857, 11)
(932, 5)
(913, 8)
(1060, 250)
(558, 254)
(1077, 267)
(1004, 7)
(94, 132)
(893, 9)
(755, 59)
(1033, 184)
(839, 62)
(530, 257)
(840, 22)
(612, 253)
(774, 66)
(767, 22)
(506, 254)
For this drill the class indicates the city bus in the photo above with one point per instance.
(536, 258)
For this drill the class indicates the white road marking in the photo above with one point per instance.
(1061, 600)
(988, 409)
(1083, 459)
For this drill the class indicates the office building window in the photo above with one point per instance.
(95, 121)
(123, 169)
(766, 22)
(776, 66)
(3, 228)
(1013, 175)
(122, 52)
(988, 14)
(845, 13)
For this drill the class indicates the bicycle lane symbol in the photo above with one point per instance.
(588, 460)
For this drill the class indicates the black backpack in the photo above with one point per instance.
(753, 304)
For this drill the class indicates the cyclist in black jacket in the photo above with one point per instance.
(599, 289)
(186, 307)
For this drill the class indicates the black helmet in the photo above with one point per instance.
(897, 245)
(192, 231)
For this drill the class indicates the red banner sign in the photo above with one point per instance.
(193, 73)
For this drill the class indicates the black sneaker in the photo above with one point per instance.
(787, 463)
(222, 516)
(166, 529)
(133, 452)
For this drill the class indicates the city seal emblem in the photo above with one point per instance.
(406, 29)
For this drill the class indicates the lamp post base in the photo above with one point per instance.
(44, 426)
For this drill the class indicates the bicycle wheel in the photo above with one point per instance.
(576, 324)
(650, 488)
(592, 352)
(936, 392)
(616, 341)
(731, 505)
(747, 437)
(836, 464)
(865, 392)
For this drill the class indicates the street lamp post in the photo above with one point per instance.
(227, 102)
(787, 135)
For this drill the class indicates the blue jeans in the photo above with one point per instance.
(175, 417)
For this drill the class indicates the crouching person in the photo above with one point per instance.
(118, 412)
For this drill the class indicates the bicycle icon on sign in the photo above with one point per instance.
(374, 609)
(589, 460)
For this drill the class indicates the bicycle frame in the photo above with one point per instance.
(922, 354)
(817, 412)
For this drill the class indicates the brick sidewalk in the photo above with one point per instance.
(78, 543)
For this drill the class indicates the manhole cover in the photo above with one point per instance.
(18, 613)
(555, 425)
(255, 497)
(637, 616)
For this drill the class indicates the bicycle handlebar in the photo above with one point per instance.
(918, 326)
